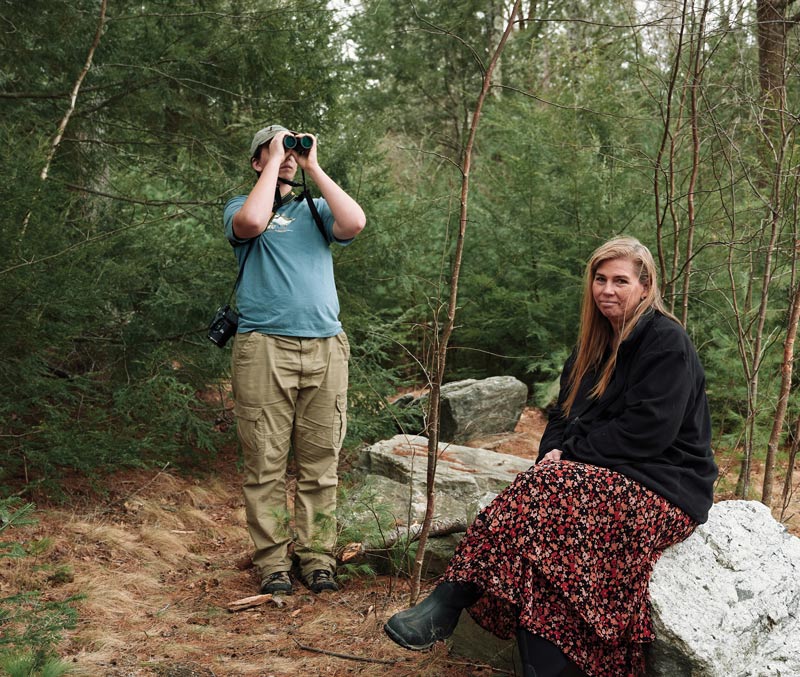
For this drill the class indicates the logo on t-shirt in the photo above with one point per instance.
(280, 223)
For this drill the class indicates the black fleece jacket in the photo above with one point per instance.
(652, 424)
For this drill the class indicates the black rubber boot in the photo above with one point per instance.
(539, 657)
(433, 619)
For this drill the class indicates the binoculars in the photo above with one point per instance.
(299, 144)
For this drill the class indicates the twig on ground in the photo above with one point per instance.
(495, 670)
(349, 657)
(148, 483)
(255, 600)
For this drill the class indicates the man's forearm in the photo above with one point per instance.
(254, 216)
(349, 218)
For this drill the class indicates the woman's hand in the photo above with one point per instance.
(552, 455)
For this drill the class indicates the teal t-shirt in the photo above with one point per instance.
(287, 287)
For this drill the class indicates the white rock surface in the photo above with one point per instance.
(464, 473)
(726, 602)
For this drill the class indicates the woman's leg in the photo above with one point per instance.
(539, 657)
(433, 619)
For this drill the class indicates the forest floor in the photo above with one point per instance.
(159, 557)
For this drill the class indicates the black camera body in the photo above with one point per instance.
(223, 326)
(299, 144)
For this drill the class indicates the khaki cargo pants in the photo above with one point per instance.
(290, 391)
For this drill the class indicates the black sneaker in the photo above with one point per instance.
(277, 583)
(321, 580)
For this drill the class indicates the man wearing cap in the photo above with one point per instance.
(290, 357)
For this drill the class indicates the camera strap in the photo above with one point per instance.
(241, 270)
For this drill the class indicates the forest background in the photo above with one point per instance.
(125, 128)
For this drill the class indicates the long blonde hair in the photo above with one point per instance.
(596, 334)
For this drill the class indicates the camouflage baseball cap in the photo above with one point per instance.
(264, 135)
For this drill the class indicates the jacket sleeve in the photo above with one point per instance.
(660, 386)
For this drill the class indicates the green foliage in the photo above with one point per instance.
(113, 266)
(375, 379)
(423, 56)
(365, 518)
(362, 515)
(32, 628)
(30, 623)
(32, 665)
(348, 572)
(14, 514)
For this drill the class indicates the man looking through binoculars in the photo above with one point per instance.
(290, 355)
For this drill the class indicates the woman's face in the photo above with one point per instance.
(617, 291)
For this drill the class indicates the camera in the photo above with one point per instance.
(299, 144)
(223, 326)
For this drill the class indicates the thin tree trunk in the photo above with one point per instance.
(697, 76)
(70, 110)
(788, 482)
(783, 400)
(771, 31)
(666, 136)
(447, 330)
(787, 368)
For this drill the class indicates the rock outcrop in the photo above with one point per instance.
(473, 408)
(726, 602)
(393, 488)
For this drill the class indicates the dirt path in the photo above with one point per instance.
(160, 557)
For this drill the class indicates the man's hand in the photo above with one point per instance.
(277, 153)
(254, 216)
(348, 217)
(307, 161)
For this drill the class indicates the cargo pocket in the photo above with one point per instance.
(252, 427)
(340, 421)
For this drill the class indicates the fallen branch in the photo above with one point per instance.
(406, 534)
(495, 670)
(346, 656)
(255, 600)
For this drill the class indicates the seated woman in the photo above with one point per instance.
(562, 558)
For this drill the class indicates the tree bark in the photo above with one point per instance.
(772, 28)
(70, 109)
(783, 400)
(440, 355)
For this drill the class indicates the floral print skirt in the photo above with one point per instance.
(567, 551)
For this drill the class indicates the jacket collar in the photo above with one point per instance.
(639, 330)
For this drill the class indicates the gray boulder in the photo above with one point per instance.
(464, 474)
(472, 408)
(392, 491)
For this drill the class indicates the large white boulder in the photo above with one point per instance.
(726, 602)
